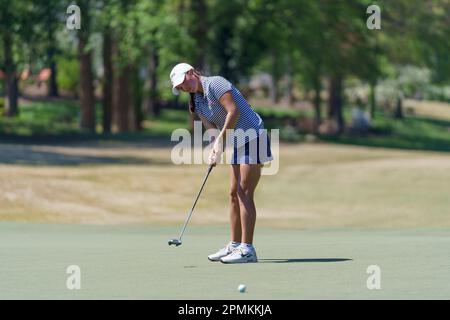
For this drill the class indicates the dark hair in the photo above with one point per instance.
(192, 103)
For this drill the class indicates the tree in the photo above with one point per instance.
(151, 38)
(108, 76)
(48, 12)
(418, 35)
(346, 40)
(191, 37)
(11, 78)
(16, 21)
(108, 68)
(87, 99)
(310, 53)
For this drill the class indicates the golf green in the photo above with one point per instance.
(135, 262)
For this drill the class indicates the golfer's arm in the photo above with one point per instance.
(233, 113)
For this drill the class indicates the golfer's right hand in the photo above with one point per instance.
(213, 159)
(214, 156)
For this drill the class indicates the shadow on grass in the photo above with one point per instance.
(56, 122)
(92, 139)
(406, 143)
(304, 260)
(25, 155)
(412, 133)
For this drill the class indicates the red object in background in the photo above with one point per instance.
(44, 74)
(2, 75)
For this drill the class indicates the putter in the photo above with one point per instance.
(178, 242)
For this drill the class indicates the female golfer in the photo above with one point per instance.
(220, 105)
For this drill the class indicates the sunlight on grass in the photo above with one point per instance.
(318, 185)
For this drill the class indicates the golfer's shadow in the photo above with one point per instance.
(304, 260)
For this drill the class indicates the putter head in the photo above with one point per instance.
(175, 242)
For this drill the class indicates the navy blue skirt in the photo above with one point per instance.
(256, 151)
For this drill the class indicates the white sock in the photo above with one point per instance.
(247, 246)
(234, 244)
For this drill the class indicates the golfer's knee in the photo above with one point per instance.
(245, 191)
(234, 194)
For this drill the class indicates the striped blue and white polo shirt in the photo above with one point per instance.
(209, 106)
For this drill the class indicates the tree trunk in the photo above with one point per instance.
(372, 99)
(200, 31)
(289, 81)
(107, 82)
(122, 101)
(317, 103)
(11, 87)
(273, 90)
(335, 102)
(87, 99)
(53, 86)
(152, 103)
(398, 114)
(130, 70)
(136, 97)
(115, 86)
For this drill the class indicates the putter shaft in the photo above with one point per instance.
(195, 202)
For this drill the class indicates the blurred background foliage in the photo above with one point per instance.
(312, 69)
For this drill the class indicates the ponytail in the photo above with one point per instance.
(192, 98)
(192, 103)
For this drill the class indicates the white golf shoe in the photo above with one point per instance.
(223, 252)
(240, 255)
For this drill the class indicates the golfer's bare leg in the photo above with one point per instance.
(235, 214)
(249, 177)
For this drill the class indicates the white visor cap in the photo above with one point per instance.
(177, 75)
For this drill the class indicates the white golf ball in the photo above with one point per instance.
(242, 288)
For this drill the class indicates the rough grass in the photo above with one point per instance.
(317, 186)
(321, 185)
